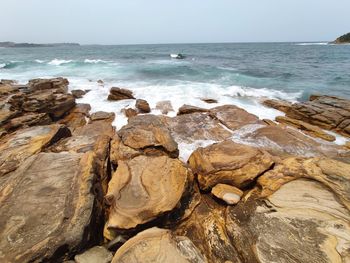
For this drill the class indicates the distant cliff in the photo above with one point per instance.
(13, 44)
(344, 39)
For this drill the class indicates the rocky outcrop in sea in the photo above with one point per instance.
(75, 189)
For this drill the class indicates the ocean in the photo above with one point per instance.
(232, 73)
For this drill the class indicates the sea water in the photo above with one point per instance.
(238, 73)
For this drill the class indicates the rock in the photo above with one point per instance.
(129, 112)
(188, 109)
(144, 188)
(59, 84)
(344, 39)
(313, 211)
(102, 115)
(7, 89)
(327, 112)
(148, 131)
(96, 254)
(100, 81)
(30, 119)
(308, 128)
(164, 106)
(347, 145)
(142, 106)
(280, 105)
(269, 122)
(7, 114)
(78, 93)
(120, 94)
(102, 127)
(209, 100)
(158, 246)
(119, 151)
(230, 194)
(50, 208)
(17, 147)
(8, 82)
(233, 117)
(228, 163)
(77, 117)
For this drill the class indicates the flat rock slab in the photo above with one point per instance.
(228, 163)
(158, 246)
(94, 255)
(144, 188)
(18, 146)
(48, 203)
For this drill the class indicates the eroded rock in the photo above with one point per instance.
(120, 94)
(142, 106)
(230, 194)
(188, 109)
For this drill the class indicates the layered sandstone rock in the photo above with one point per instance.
(142, 106)
(59, 84)
(120, 94)
(188, 109)
(280, 105)
(78, 93)
(77, 117)
(30, 119)
(158, 246)
(228, 163)
(102, 115)
(129, 112)
(230, 194)
(144, 188)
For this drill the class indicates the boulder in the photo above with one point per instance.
(95, 128)
(148, 131)
(280, 105)
(27, 120)
(164, 106)
(209, 101)
(78, 93)
(143, 189)
(102, 115)
(230, 194)
(158, 246)
(142, 106)
(228, 163)
(188, 109)
(77, 116)
(17, 147)
(50, 208)
(234, 117)
(308, 128)
(58, 84)
(129, 112)
(120, 94)
(96, 254)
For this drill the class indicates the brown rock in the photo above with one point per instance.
(59, 84)
(102, 127)
(7, 89)
(188, 109)
(148, 131)
(280, 105)
(158, 246)
(210, 101)
(347, 145)
(102, 115)
(308, 128)
(30, 119)
(78, 93)
(230, 194)
(164, 106)
(129, 112)
(77, 116)
(228, 163)
(7, 114)
(50, 208)
(120, 94)
(142, 106)
(17, 147)
(269, 122)
(144, 188)
(96, 254)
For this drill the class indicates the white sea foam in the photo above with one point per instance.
(95, 61)
(39, 61)
(313, 44)
(2, 65)
(58, 62)
(186, 149)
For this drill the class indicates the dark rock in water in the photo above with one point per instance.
(344, 39)
(188, 109)
(120, 94)
(100, 81)
(78, 93)
(129, 112)
(210, 101)
(143, 106)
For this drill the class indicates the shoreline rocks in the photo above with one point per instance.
(120, 94)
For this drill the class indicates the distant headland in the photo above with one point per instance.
(344, 39)
(16, 45)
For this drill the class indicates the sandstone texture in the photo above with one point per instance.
(120, 94)
(142, 106)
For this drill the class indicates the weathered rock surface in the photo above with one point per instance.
(308, 128)
(129, 112)
(17, 147)
(102, 115)
(188, 109)
(144, 188)
(78, 93)
(210, 101)
(158, 246)
(164, 106)
(49, 208)
(30, 119)
(77, 117)
(59, 84)
(280, 105)
(142, 106)
(148, 131)
(228, 163)
(120, 94)
(230, 194)
(96, 254)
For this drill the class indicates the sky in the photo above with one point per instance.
(176, 21)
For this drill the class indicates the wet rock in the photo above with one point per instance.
(143, 106)
(188, 109)
(50, 208)
(164, 106)
(234, 117)
(30, 119)
(102, 115)
(280, 105)
(129, 112)
(308, 128)
(59, 84)
(148, 131)
(78, 93)
(210, 101)
(120, 94)
(146, 246)
(17, 147)
(159, 183)
(230, 194)
(228, 163)
(96, 254)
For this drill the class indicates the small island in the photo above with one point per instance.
(16, 45)
(344, 39)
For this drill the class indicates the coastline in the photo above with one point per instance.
(195, 180)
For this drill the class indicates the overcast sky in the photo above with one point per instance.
(176, 21)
